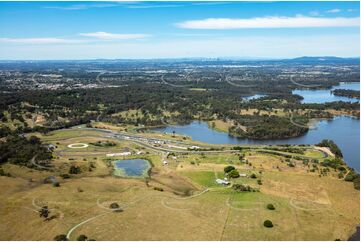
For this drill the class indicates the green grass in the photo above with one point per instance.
(204, 178)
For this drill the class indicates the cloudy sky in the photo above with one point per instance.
(88, 30)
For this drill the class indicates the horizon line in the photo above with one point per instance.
(187, 58)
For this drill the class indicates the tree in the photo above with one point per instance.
(44, 212)
(60, 237)
(233, 173)
(270, 206)
(116, 207)
(268, 224)
(227, 169)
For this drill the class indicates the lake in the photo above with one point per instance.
(322, 96)
(132, 167)
(344, 131)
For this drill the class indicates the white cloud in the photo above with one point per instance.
(335, 10)
(40, 41)
(269, 22)
(112, 36)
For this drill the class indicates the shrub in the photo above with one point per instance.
(253, 176)
(60, 237)
(158, 189)
(228, 169)
(270, 206)
(233, 174)
(74, 170)
(241, 188)
(268, 224)
(259, 182)
(65, 176)
(82, 237)
(349, 177)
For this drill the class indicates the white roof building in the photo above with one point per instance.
(222, 182)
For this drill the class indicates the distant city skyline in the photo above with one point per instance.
(149, 30)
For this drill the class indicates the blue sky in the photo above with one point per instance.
(88, 30)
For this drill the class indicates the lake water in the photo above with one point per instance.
(322, 96)
(345, 131)
(133, 167)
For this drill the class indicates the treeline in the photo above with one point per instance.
(346, 93)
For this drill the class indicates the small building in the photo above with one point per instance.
(118, 154)
(222, 182)
(165, 162)
(194, 147)
(242, 175)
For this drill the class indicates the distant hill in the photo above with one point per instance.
(324, 59)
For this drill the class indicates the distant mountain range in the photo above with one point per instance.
(325, 59)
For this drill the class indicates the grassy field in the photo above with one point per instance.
(179, 201)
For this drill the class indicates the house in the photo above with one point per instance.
(165, 162)
(242, 175)
(222, 182)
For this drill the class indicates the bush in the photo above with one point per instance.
(158, 189)
(349, 177)
(270, 206)
(233, 174)
(3, 173)
(253, 176)
(60, 237)
(228, 169)
(259, 182)
(268, 224)
(74, 170)
(114, 206)
(82, 237)
(241, 188)
(65, 176)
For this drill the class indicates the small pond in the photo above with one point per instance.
(131, 168)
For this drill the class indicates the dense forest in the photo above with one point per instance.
(19, 150)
